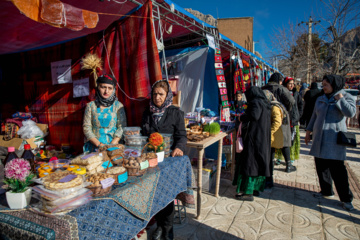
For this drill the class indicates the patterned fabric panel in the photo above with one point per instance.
(137, 194)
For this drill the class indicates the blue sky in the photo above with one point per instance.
(268, 15)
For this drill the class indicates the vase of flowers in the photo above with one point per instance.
(156, 142)
(18, 177)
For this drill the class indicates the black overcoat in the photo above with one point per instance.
(171, 122)
(254, 160)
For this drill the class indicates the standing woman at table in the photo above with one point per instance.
(105, 117)
(253, 163)
(163, 117)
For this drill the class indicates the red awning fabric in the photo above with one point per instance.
(131, 56)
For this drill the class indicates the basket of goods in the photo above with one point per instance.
(156, 144)
(91, 162)
(100, 183)
(152, 159)
(104, 150)
(136, 166)
(118, 173)
(117, 160)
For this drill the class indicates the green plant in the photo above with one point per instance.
(214, 128)
(206, 128)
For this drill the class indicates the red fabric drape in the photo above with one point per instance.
(133, 58)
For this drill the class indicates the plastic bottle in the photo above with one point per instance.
(28, 155)
(10, 156)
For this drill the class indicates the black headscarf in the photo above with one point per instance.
(99, 100)
(337, 82)
(256, 93)
(276, 77)
(314, 85)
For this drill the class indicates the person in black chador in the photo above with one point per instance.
(253, 163)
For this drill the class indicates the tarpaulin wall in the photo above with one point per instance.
(197, 79)
(26, 77)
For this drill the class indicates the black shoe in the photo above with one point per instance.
(245, 197)
(256, 193)
(157, 235)
(289, 167)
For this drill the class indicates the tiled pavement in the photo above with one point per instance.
(288, 211)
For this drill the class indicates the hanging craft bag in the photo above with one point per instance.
(239, 141)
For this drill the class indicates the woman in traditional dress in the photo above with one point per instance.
(105, 117)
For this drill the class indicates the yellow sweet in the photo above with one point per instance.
(80, 171)
(72, 167)
(44, 174)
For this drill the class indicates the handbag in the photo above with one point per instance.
(346, 139)
(239, 141)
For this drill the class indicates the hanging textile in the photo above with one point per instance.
(57, 14)
(134, 59)
(225, 112)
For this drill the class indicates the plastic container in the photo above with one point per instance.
(58, 193)
(10, 156)
(132, 153)
(128, 131)
(135, 140)
(69, 205)
(62, 164)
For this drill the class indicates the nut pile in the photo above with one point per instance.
(149, 155)
(133, 161)
(96, 178)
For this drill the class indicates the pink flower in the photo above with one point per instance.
(17, 168)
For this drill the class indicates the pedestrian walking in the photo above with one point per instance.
(328, 119)
(252, 164)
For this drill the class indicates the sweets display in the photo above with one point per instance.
(116, 170)
(96, 178)
(52, 181)
(87, 159)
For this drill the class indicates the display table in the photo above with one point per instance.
(200, 146)
(104, 217)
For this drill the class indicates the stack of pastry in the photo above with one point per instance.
(92, 162)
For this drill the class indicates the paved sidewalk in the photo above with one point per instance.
(288, 211)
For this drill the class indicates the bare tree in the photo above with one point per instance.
(341, 16)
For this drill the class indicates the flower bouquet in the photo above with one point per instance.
(18, 177)
(156, 144)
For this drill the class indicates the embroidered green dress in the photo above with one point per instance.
(103, 124)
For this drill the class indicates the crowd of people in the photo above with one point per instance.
(270, 131)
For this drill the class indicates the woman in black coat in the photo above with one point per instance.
(252, 164)
(310, 99)
(162, 117)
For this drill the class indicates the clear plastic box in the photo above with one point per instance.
(129, 131)
(135, 140)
